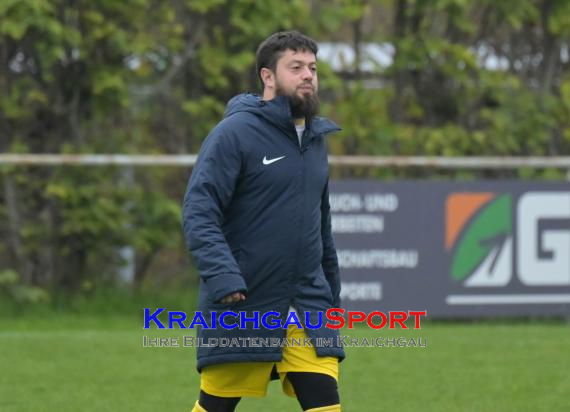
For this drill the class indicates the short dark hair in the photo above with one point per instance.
(271, 49)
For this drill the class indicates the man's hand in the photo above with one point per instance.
(234, 297)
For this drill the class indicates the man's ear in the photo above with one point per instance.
(268, 78)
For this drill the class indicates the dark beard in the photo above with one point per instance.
(305, 107)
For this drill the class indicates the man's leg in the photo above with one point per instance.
(315, 391)
(211, 403)
(223, 385)
(308, 377)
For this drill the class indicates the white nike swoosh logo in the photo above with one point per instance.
(267, 161)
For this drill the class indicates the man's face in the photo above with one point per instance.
(296, 78)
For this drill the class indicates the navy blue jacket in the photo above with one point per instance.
(256, 218)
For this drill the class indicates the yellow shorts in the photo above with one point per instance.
(251, 378)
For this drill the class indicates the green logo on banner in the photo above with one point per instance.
(479, 230)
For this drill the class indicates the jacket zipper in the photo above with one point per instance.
(302, 150)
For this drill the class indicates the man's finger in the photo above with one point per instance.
(234, 297)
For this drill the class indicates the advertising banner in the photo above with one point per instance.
(455, 249)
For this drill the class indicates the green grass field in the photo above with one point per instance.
(98, 364)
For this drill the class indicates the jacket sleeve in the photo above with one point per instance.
(209, 192)
(330, 260)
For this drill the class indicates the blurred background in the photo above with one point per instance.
(85, 248)
(402, 77)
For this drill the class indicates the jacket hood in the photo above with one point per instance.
(276, 111)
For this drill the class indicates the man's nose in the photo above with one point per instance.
(307, 74)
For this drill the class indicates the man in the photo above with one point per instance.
(257, 220)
